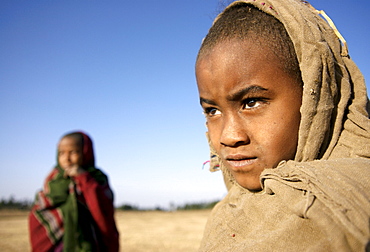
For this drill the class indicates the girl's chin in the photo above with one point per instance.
(249, 184)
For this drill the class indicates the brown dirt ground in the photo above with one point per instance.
(149, 231)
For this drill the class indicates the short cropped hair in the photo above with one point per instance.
(242, 21)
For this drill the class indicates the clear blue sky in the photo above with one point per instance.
(123, 71)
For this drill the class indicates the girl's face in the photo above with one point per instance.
(252, 108)
(69, 153)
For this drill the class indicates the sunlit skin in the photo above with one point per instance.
(251, 106)
(70, 157)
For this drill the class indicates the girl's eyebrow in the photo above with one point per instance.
(210, 102)
(237, 95)
(242, 92)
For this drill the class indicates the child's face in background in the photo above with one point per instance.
(252, 108)
(69, 153)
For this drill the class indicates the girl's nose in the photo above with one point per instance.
(234, 132)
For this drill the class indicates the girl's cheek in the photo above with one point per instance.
(214, 136)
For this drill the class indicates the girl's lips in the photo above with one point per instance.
(241, 162)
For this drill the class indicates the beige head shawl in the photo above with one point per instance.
(335, 121)
(332, 192)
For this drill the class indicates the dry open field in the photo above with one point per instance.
(150, 231)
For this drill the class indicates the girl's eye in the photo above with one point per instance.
(211, 112)
(251, 103)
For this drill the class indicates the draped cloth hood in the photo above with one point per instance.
(321, 200)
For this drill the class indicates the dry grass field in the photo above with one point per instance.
(150, 231)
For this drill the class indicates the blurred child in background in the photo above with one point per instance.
(74, 211)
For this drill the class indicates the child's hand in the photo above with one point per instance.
(72, 171)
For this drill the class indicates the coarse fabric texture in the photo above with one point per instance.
(321, 200)
(74, 214)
